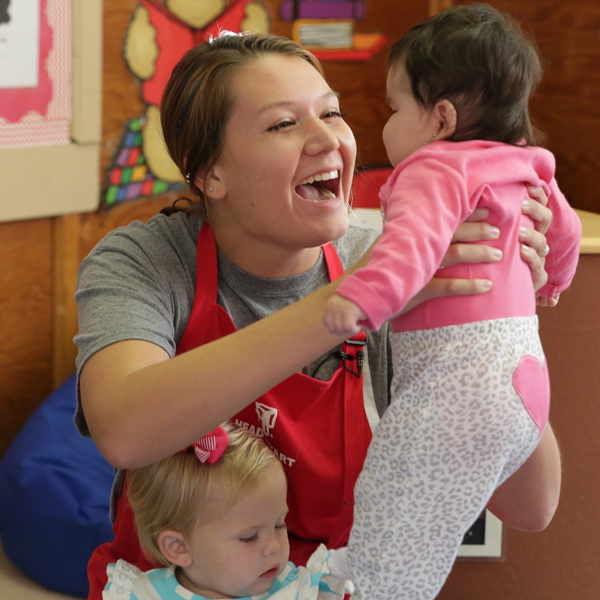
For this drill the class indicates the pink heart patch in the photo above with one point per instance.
(532, 384)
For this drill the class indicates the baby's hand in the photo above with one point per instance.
(546, 302)
(341, 316)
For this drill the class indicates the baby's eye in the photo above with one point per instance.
(283, 526)
(249, 540)
(283, 125)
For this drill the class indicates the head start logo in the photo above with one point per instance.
(267, 417)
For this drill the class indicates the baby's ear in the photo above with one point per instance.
(174, 548)
(445, 113)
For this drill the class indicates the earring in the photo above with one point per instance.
(211, 189)
(435, 135)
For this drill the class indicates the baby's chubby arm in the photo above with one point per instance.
(342, 316)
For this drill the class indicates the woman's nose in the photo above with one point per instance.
(321, 138)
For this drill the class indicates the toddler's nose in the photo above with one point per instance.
(272, 545)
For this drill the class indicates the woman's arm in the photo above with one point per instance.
(528, 499)
(141, 406)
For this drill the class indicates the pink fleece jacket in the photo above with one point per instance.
(426, 198)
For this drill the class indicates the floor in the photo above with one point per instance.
(16, 586)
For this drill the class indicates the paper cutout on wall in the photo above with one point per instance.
(35, 73)
(130, 177)
(158, 35)
(326, 28)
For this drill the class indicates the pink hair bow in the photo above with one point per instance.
(210, 448)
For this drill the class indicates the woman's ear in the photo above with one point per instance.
(211, 184)
(174, 548)
(445, 114)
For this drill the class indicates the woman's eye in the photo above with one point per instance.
(334, 113)
(282, 125)
(250, 539)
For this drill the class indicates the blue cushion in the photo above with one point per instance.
(54, 497)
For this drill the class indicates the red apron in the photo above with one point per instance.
(318, 430)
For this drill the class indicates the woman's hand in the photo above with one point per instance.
(535, 247)
(533, 251)
(462, 251)
(539, 212)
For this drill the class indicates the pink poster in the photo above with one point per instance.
(35, 73)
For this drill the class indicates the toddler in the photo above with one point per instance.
(214, 517)
(470, 392)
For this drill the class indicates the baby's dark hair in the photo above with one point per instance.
(479, 59)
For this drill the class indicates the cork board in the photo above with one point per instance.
(50, 180)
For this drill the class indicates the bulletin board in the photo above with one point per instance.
(50, 107)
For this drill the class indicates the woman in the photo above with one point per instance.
(172, 336)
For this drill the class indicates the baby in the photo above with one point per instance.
(214, 516)
(470, 394)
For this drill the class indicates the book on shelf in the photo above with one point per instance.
(315, 33)
(322, 9)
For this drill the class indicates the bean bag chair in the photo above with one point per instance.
(54, 497)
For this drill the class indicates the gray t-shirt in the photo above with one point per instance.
(139, 283)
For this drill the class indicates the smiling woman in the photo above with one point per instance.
(262, 200)
(280, 133)
(214, 313)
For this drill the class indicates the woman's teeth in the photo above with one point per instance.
(326, 193)
(321, 177)
(311, 190)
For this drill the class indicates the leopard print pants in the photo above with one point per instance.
(455, 430)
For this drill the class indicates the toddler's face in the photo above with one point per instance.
(239, 550)
(410, 126)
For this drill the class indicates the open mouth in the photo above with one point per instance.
(320, 187)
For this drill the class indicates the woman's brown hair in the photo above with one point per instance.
(479, 59)
(197, 101)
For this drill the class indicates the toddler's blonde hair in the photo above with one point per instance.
(172, 494)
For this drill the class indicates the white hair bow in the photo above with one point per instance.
(225, 33)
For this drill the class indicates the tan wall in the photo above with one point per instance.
(38, 266)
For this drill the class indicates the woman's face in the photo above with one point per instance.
(286, 169)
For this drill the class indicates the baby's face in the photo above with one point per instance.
(239, 550)
(410, 126)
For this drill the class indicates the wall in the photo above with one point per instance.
(38, 261)
(565, 106)
(561, 562)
